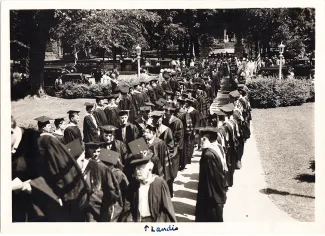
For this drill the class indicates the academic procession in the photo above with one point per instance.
(133, 145)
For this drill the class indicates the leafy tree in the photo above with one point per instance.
(30, 29)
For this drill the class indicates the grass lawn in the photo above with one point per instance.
(26, 110)
(285, 140)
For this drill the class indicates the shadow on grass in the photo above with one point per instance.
(306, 178)
(270, 191)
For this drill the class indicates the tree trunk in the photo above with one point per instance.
(40, 32)
(114, 55)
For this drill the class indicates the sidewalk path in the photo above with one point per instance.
(246, 201)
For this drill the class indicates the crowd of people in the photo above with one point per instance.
(133, 144)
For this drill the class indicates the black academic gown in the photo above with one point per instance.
(63, 175)
(165, 85)
(24, 165)
(160, 149)
(123, 183)
(100, 116)
(104, 191)
(126, 104)
(185, 155)
(140, 125)
(160, 204)
(131, 133)
(112, 115)
(211, 189)
(71, 133)
(90, 130)
(176, 126)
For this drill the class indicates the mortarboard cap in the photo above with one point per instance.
(153, 80)
(219, 112)
(234, 94)
(138, 146)
(151, 127)
(94, 145)
(180, 99)
(75, 148)
(156, 113)
(228, 107)
(136, 84)
(145, 108)
(209, 129)
(169, 108)
(89, 104)
(43, 119)
(189, 101)
(139, 159)
(169, 92)
(123, 112)
(73, 111)
(99, 97)
(108, 156)
(57, 121)
(108, 128)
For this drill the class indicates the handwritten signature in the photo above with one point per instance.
(161, 229)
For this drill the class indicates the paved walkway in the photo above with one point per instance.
(246, 201)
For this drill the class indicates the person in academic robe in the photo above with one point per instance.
(99, 113)
(126, 132)
(63, 175)
(211, 195)
(165, 84)
(110, 159)
(101, 183)
(59, 128)
(164, 133)
(160, 149)
(144, 91)
(90, 127)
(157, 88)
(147, 196)
(136, 95)
(110, 143)
(173, 81)
(151, 93)
(142, 120)
(72, 130)
(125, 103)
(111, 111)
(184, 116)
(176, 126)
(24, 163)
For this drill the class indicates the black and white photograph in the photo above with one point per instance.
(161, 115)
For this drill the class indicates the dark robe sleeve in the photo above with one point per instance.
(161, 206)
(178, 132)
(111, 192)
(71, 133)
(211, 188)
(90, 131)
(62, 173)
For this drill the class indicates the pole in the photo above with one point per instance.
(280, 67)
(138, 67)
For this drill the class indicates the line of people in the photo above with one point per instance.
(134, 142)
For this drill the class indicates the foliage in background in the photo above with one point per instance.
(270, 92)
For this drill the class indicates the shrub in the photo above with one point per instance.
(271, 92)
(19, 88)
(71, 90)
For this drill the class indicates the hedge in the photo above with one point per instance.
(271, 92)
(72, 90)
